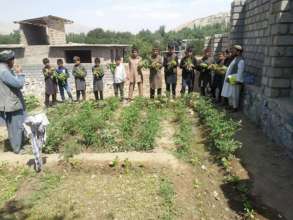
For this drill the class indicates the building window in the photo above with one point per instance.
(85, 55)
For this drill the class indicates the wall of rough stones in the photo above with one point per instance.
(34, 83)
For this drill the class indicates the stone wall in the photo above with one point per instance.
(34, 82)
(274, 116)
(264, 29)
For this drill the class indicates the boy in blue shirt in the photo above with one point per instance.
(63, 75)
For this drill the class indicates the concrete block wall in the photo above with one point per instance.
(249, 28)
(278, 67)
(263, 27)
(265, 30)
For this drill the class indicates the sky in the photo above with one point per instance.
(118, 15)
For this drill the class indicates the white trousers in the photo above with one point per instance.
(234, 97)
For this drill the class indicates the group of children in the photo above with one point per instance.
(223, 76)
(209, 80)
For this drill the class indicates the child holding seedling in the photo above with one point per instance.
(135, 73)
(79, 73)
(50, 82)
(119, 75)
(205, 77)
(98, 85)
(155, 73)
(219, 70)
(62, 76)
(188, 65)
(170, 64)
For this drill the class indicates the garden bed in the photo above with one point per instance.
(144, 160)
(103, 127)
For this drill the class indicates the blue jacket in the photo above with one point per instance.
(10, 90)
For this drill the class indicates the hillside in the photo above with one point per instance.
(221, 18)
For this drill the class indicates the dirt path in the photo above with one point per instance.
(164, 141)
(161, 159)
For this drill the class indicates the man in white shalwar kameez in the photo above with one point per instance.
(234, 78)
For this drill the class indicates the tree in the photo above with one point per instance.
(12, 38)
(144, 40)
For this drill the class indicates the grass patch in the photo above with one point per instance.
(46, 183)
(168, 194)
(95, 194)
(10, 180)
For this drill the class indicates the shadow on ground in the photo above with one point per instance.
(269, 169)
(264, 168)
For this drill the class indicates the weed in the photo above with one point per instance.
(127, 165)
(115, 162)
(31, 102)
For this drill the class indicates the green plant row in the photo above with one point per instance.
(149, 129)
(221, 129)
(183, 136)
(85, 122)
(130, 117)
